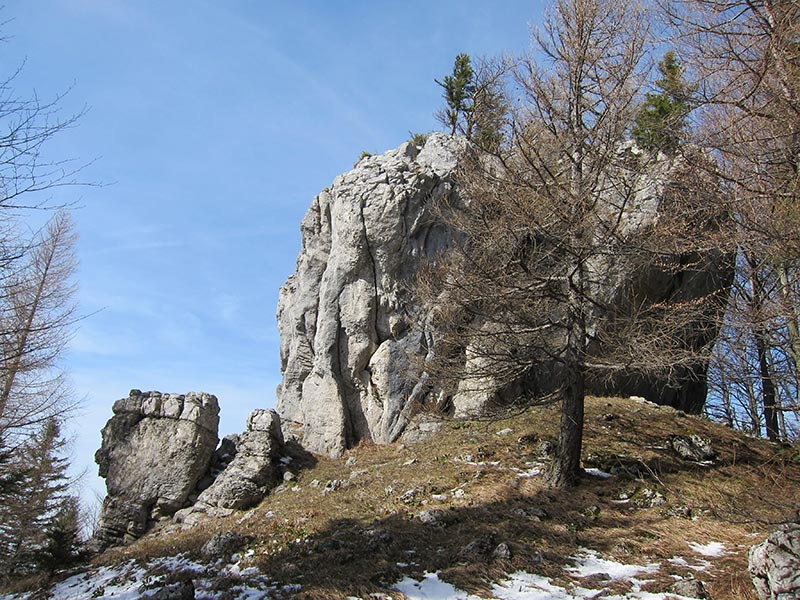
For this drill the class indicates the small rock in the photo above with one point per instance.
(351, 461)
(482, 547)
(289, 476)
(694, 448)
(222, 545)
(502, 552)
(774, 565)
(546, 448)
(331, 486)
(409, 495)
(505, 431)
(182, 590)
(691, 588)
(533, 513)
(434, 517)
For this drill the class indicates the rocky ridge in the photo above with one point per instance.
(354, 337)
(346, 317)
(160, 459)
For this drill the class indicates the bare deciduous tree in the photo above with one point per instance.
(549, 223)
(37, 314)
(747, 55)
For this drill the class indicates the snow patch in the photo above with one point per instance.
(594, 472)
(431, 588)
(589, 563)
(712, 549)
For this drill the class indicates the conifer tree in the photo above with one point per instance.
(458, 89)
(661, 122)
(34, 519)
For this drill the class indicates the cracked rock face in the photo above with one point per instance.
(155, 449)
(345, 317)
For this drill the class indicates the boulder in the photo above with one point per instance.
(694, 447)
(354, 338)
(253, 471)
(155, 449)
(774, 564)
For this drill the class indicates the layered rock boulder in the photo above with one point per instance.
(155, 449)
(354, 337)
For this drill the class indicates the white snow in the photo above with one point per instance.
(527, 586)
(712, 549)
(597, 473)
(431, 588)
(588, 562)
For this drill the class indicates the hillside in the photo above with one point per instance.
(470, 505)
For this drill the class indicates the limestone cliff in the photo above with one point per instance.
(346, 316)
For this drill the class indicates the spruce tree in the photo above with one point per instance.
(458, 90)
(662, 120)
(35, 518)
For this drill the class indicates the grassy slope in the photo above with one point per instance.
(349, 541)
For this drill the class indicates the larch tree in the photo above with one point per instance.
(525, 285)
(37, 315)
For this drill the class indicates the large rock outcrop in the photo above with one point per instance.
(155, 449)
(346, 316)
(353, 336)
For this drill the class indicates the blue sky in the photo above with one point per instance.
(213, 125)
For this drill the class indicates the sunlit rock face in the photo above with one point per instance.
(346, 316)
(354, 337)
(155, 449)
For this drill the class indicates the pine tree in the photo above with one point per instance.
(662, 119)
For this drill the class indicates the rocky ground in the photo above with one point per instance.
(668, 500)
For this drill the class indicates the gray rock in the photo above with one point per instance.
(348, 347)
(254, 469)
(181, 590)
(154, 451)
(774, 564)
(221, 546)
(502, 552)
(690, 588)
(694, 448)
(433, 517)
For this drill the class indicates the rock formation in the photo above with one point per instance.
(155, 449)
(252, 472)
(353, 335)
(774, 564)
(346, 316)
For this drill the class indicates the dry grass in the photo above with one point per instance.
(349, 541)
